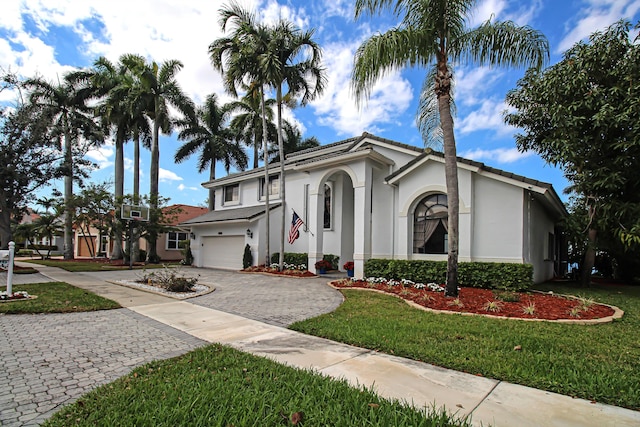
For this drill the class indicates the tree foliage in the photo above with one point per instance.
(582, 115)
(24, 135)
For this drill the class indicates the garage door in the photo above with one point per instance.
(223, 252)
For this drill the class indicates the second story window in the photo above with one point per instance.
(273, 186)
(232, 194)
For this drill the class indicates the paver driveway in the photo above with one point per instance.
(51, 360)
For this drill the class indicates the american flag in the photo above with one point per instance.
(296, 223)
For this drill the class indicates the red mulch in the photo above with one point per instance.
(474, 300)
(269, 270)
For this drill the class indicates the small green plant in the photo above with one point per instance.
(492, 306)
(506, 296)
(405, 292)
(247, 258)
(187, 255)
(529, 309)
(586, 303)
(575, 311)
(425, 299)
(455, 303)
(374, 284)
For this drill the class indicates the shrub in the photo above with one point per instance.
(247, 258)
(290, 258)
(171, 279)
(489, 275)
(187, 255)
(323, 264)
(333, 259)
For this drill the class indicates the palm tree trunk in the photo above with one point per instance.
(256, 142)
(68, 195)
(451, 175)
(266, 176)
(135, 247)
(590, 254)
(119, 190)
(282, 183)
(152, 255)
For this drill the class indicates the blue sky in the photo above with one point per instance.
(52, 37)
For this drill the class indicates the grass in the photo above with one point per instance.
(80, 265)
(55, 297)
(596, 362)
(220, 386)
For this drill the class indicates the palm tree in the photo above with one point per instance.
(291, 62)
(208, 134)
(70, 119)
(293, 141)
(238, 58)
(158, 91)
(247, 123)
(434, 33)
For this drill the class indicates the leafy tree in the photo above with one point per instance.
(72, 126)
(247, 122)
(208, 134)
(95, 209)
(582, 115)
(434, 33)
(24, 135)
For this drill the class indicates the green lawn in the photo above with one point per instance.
(600, 362)
(220, 386)
(87, 265)
(55, 297)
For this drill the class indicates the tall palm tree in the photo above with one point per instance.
(158, 91)
(207, 133)
(434, 33)
(247, 123)
(291, 63)
(70, 120)
(238, 58)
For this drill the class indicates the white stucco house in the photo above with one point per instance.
(370, 197)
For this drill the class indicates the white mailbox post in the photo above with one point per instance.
(6, 262)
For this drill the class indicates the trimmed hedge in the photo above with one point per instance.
(303, 258)
(291, 258)
(489, 275)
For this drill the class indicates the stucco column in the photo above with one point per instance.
(362, 223)
(316, 226)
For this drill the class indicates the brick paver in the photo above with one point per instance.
(51, 360)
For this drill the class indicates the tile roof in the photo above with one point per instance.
(223, 215)
(183, 212)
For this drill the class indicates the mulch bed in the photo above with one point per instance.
(474, 300)
(275, 271)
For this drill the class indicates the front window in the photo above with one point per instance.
(327, 206)
(176, 239)
(104, 244)
(273, 186)
(430, 235)
(231, 193)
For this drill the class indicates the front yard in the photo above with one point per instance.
(596, 362)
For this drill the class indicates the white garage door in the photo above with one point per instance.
(223, 252)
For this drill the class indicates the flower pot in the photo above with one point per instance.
(349, 273)
(322, 271)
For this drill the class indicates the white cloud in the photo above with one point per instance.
(597, 16)
(499, 155)
(488, 117)
(102, 156)
(183, 187)
(337, 108)
(166, 175)
(471, 83)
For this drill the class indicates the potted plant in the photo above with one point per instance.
(349, 267)
(322, 266)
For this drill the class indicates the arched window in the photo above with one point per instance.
(430, 225)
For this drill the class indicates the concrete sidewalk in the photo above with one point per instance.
(487, 401)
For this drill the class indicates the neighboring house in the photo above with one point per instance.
(168, 244)
(370, 197)
(58, 240)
